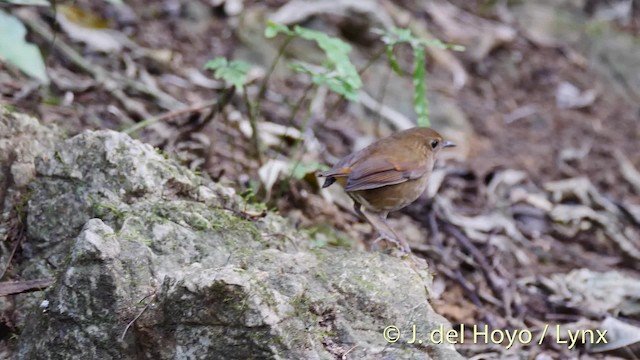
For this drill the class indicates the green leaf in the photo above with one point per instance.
(216, 63)
(337, 52)
(273, 29)
(301, 68)
(420, 101)
(435, 43)
(234, 71)
(329, 79)
(16, 51)
(393, 61)
(336, 84)
(342, 76)
(338, 73)
(396, 36)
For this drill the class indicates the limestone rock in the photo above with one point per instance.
(151, 261)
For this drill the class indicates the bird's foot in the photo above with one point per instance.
(401, 243)
(375, 245)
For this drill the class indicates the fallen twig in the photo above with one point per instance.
(344, 356)
(151, 295)
(13, 252)
(170, 115)
(19, 287)
(124, 333)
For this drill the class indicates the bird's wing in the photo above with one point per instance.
(336, 171)
(376, 172)
(342, 168)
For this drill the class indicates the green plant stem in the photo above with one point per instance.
(253, 109)
(255, 138)
(296, 109)
(420, 100)
(294, 113)
(371, 62)
(298, 105)
(298, 151)
(298, 142)
(265, 81)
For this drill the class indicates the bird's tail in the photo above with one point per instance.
(329, 178)
(328, 181)
(332, 175)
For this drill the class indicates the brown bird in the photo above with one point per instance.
(388, 175)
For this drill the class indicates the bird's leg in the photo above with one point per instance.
(401, 242)
(357, 208)
(379, 222)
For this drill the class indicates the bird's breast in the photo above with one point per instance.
(391, 197)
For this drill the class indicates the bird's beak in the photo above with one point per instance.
(448, 143)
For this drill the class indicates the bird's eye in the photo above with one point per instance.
(434, 144)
